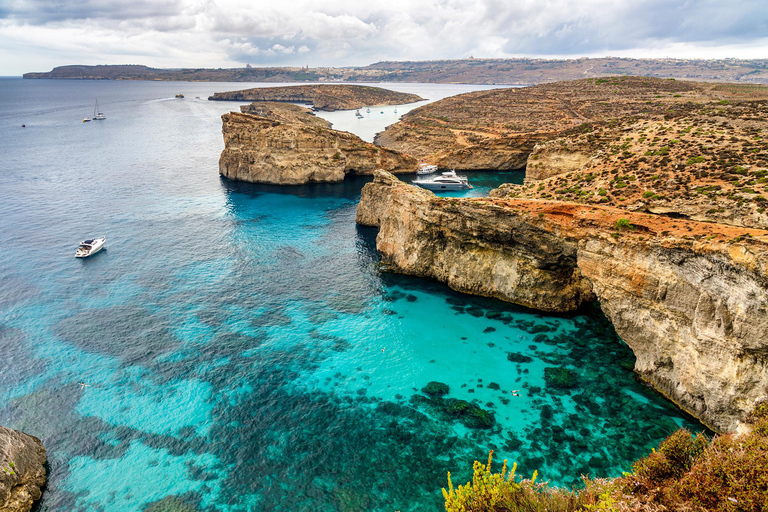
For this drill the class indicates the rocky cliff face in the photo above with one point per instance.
(287, 145)
(22, 471)
(472, 247)
(689, 298)
(327, 97)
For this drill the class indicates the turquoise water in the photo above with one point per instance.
(237, 346)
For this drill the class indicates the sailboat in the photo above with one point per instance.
(97, 114)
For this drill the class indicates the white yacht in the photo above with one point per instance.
(90, 247)
(426, 169)
(443, 183)
(97, 114)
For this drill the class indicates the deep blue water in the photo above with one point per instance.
(237, 345)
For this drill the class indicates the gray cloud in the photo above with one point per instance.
(350, 32)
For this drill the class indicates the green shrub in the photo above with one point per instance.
(488, 492)
(624, 224)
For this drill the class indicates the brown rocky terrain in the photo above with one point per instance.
(707, 161)
(22, 470)
(690, 298)
(498, 129)
(322, 97)
(286, 144)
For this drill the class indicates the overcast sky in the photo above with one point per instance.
(36, 35)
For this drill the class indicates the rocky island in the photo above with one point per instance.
(322, 97)
(646, 195)
(22, 470)
(284, 144)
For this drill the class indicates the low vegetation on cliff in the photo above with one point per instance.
(322, 97)
(686, 472)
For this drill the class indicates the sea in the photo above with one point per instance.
(239, 347)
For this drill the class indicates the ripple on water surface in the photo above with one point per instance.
(237, 348)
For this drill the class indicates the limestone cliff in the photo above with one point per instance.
(472, 247)
(287, 145)
(326, 97)
(689, 298)
(22, 471)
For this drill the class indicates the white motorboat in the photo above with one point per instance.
(97, 114)
(445, 182)
(86, 119)
(426, 169)
(368, 110)
(90, 247)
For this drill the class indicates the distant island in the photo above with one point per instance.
(322, 97)
(476, 71)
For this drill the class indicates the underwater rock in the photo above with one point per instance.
(435, 389)
(494, 385)
(170, 504)
(22, 470)
(517, 357)
(471, 415)
(559, 378)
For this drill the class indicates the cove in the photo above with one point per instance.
(239, 346)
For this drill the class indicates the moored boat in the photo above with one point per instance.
(447, 181)
(90, 247)
(98, 115)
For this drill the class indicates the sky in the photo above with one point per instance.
(37, 35)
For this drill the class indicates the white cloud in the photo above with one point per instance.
(220, 33)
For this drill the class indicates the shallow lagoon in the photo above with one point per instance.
(238, 346)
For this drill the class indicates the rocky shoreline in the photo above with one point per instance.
(22, 470)
(322, 97)
(286, 144)
(685, 296)
(643, 194)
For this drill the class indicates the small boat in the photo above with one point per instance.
(426, 169)
(90, 247)
(445, 182)
(97, 114)
(368, 111)
(395, 111)
(179, 95)
(358, 115)
(86, 119)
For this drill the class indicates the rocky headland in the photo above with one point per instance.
(322, 97)
(285, 144)
(688, 297)
(648, 195)
(22, 470)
